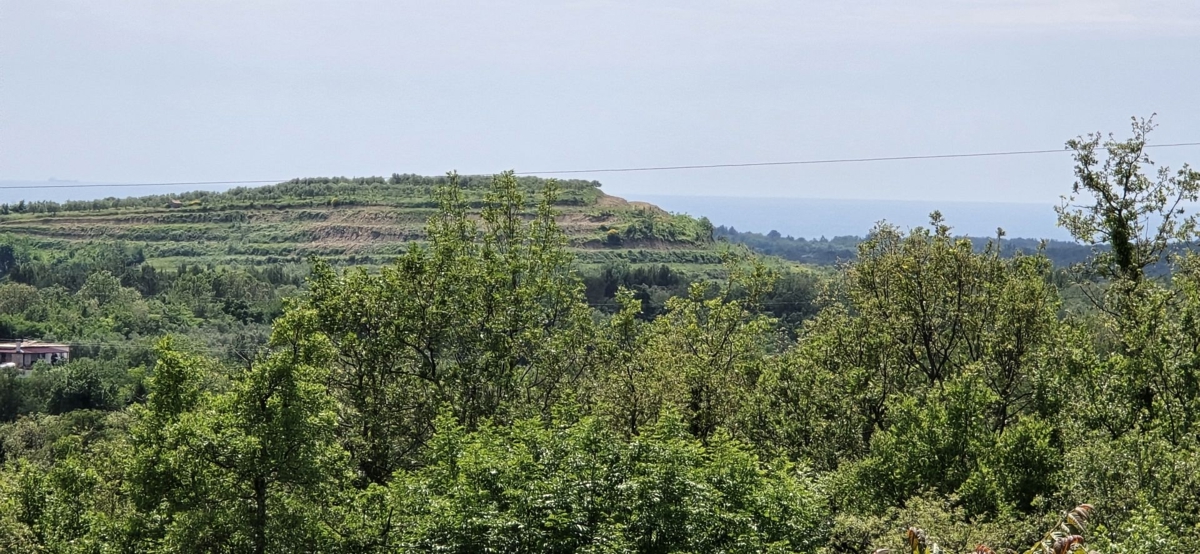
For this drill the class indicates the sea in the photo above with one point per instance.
(823, 217)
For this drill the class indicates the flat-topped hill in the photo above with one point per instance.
(347, 220)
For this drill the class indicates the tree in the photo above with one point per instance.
(1132, 218)
(579, 487)
(101, 287)
(926, 354)
(488, 320)
(11, 394)
(1137, 223)
(936, 309)
(8, 258)
(708, 349)
(628, 392)
(84, 384)
(160, 478)
(270, 442)
(245, 470)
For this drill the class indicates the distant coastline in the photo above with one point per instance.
(814, 218)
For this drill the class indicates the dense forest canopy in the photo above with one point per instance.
(831, 251)
(485, 392)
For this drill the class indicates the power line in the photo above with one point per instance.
(630, 169)
(831, 161)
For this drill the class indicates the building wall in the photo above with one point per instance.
(26, 359)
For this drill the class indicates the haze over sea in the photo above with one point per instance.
(817, 217)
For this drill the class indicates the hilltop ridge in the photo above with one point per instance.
(365, 220)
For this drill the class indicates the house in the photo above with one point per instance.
(23, 354)
(173, 203)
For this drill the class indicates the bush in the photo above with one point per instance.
(529, 488)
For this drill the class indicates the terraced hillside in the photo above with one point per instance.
(353, 221)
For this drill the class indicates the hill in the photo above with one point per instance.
(345, 220)
(203, 262)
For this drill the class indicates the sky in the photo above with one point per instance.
(189, 90)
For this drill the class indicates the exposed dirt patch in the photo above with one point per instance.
(647, 206)
(606, 201)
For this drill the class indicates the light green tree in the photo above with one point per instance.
(487, 318)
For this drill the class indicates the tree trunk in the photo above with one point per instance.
(260, 515)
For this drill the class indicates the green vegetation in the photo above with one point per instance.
(486, 392)
(825, 251)
(359, 221)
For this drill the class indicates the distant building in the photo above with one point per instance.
(23, 354)
(173, 203)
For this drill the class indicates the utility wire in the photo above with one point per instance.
(630, 169)
(832, 160)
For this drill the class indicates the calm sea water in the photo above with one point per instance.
(813, 218)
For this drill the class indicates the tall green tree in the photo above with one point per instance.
(487, 318)
(164, 477)
(1137, 221)
(247, 470)
(1131, 218)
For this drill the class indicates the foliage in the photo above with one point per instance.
(578, 487)
(489, 390)
(832, 251)
(487, 321)
(1065, 537)
(1134, 215)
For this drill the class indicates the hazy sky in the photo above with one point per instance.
(147, 90)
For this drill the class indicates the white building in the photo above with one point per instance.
(23, 354)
